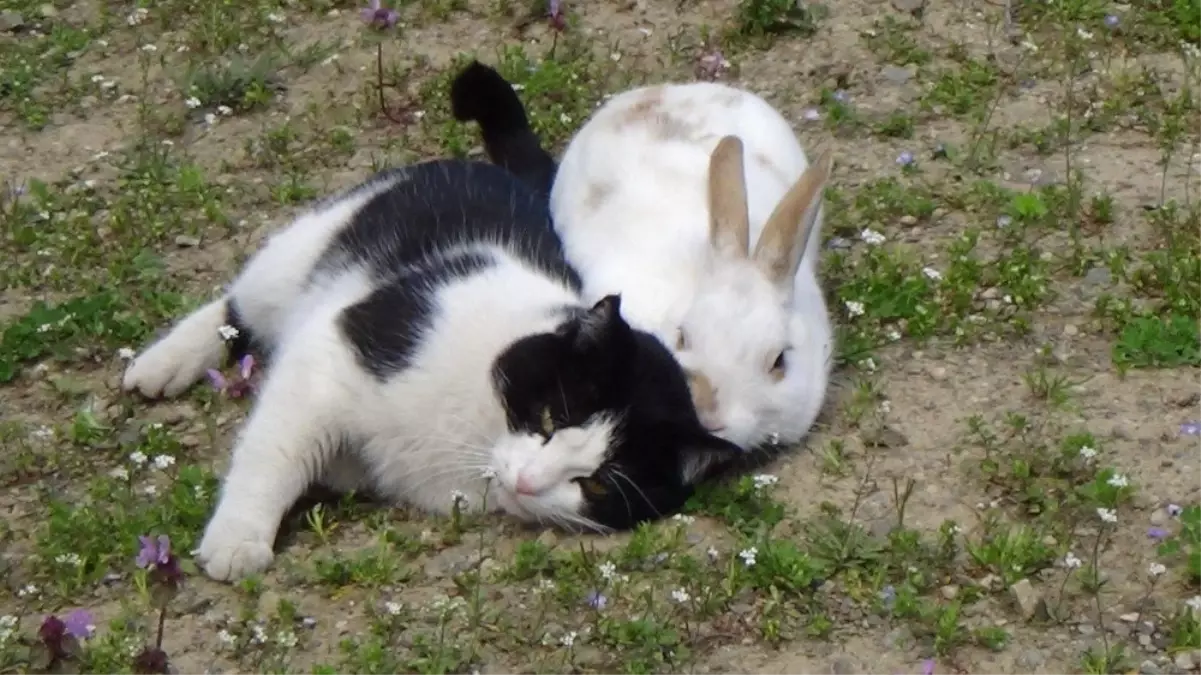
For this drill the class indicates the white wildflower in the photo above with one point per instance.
(43, 432)
(150, 48)
(227, 332)
(1084, 35)
(71, 559)
(260, 635)
(151, 490)
(227, 638)
(680, 596)
(1156, 569)
(1118, 480)
(137, 16)
(458, 498)
(1071, 562)
(871, 236)
(8, 627)
(712, 553)
(932, 274)
(1194, 603)
(488, 473)
(748, 556)
(1087, 452)
(885, 407)
(893, 334)
(764, 480)
(276, 17)
(683, 518)
(97, 78)
(1107, 515)
(225, 110)
(120, 473)
(607, 570)
(392, 607)
(868, 364)
(568, 638)
(137, 457)
(854, 308)
(286, 639)
(210, 119)
(28, 591)
(546, 586)
(163, 462)
(192, 102)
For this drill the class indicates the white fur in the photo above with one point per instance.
(649, 240)
(429, 432)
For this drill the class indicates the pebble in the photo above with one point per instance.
(1030, 659)
(185, 241)
(1149, 667)
(1129, 618)
(1188, 660)
(48, 10)
(1144, 640)
(843, 666)
(898, 75)
(11, 20)
(1027, 598)
(1098, 276)
(1070, 330)
(949, 591)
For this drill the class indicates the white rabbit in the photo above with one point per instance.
(653, 199)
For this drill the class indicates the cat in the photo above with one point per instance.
(427, 342)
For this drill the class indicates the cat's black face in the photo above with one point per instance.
(602, 428)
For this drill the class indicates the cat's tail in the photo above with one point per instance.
(482, 95)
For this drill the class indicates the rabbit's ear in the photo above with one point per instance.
(785, 236)
(729, 223)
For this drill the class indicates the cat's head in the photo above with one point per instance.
(602, 431)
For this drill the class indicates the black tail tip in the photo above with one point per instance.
(476, 89)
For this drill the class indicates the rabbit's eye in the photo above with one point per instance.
(681, 341)
(778, 367)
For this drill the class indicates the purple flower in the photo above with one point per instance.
(52, 633)
(1111, 21)
(240, 385)
(711, 65)
(888, 596)
(378, 16)
(555, 16)
(596, 600)
(905, 158)
(841, 96)
(928, 667)
(1190, 429)
(1174, 510)
(80, 624)
(1157, 533)
(154, 552)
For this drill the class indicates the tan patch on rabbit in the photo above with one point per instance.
(644, 110)
(596, 195)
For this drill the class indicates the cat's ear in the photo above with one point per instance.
(599, 323)
(702, 453)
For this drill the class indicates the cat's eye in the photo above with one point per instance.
(592, 486)
(778, 366)
(681, 341)
(548, 423)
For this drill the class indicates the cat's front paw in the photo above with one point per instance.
(179, 359)
(231, 550)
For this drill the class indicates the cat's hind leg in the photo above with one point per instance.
(292, 435)
(179, 359)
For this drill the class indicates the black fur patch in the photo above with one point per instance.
(595, 365)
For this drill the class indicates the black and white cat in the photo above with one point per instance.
(426, 336)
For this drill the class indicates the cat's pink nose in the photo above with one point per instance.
(524, 486)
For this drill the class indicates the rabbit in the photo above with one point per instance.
(652, 198)
(427, 342)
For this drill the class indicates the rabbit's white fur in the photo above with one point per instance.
(632, 204)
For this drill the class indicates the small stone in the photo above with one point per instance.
(938, 373)
(185, 241)
(1030, 660)
(990, 293)
(908, 220)
(990, 582)
(1129, 618)
(914, 7)
(1185, 661)
(1149, 667)
(897, 75)
(11, 20)
(1086, 629)
(548, 539)
(1159, 517)
(1070, 330)
(843, 666)
(949, 591)
(1050, 542)
(48, 11)
(1029, 601)
(1098, 276)
(1144, 641)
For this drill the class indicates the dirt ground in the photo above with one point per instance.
(1006, 478)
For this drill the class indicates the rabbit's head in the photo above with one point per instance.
(755, 363)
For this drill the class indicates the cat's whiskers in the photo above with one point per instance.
(621, 474)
